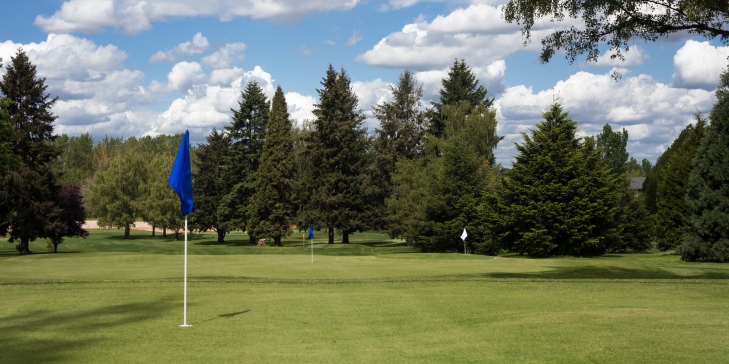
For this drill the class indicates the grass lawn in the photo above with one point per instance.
(106, 299)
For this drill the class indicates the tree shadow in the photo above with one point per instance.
(20, 346)
(223, 316)
(608, 273)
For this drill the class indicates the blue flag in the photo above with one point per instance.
(181, 176)
(311, 232)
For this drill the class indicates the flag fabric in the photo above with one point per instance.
(181, 176)
(464, 235)
(311, 232)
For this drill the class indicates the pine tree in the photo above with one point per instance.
(29, 190)
(670, 221)
(707, 191)
(209, 187)
(337, 150)
(247, 133)
(272, 207)
(559, 198)
(460, 85)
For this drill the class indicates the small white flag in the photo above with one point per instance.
(464, 235)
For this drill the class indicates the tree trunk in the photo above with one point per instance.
(221, 236)
(153, 227)
(345, 237)
(55, 246)
(252, 239)
(23, 248)
(277, 241)
(331, 235)
(164, 232)
(126, 231)
(177, 234)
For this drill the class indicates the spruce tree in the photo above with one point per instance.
(670, 221)
(209, 187)
(460, 85)
(560, 198)
(29, 190)
(402, 125)
(707, 191)
(272, 207)
(247, 132)
(337, 149)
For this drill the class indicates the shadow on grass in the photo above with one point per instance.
(609, 273)
(46, 336)
(223, 316)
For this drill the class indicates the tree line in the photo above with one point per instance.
(426, 173)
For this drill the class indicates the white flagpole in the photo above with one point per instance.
(184, 317)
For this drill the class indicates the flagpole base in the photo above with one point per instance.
(184, 325)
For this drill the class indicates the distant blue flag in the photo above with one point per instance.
(311, 232)
(181, 176)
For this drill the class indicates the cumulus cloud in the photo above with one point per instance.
(133, 16)
(90, 80)
(198, 45)
(653, 113)
(698, 65)
(477, 33)
(634, 57)
(226, 56)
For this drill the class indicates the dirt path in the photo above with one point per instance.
(138, 225)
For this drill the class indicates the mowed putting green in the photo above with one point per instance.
(107, 299)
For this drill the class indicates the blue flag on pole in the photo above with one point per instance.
(181, 176)
(311, 232)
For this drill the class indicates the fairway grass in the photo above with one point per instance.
(110, 300)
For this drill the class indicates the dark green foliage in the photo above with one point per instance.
(452, 203)
(209, 185)
(336, 148)
(707, 191)
(460, 85)
(272, 207)
(247, 132)
(399, 137)
(560, 198)
(670, 220)
(616, 22)
(69, 218)
(30, 190)
(8, 158)
(614, 150)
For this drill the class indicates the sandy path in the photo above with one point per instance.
(138, 225)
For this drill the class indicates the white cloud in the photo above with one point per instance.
(183, 75)
(135, 16)
(634, 57)
(226, 56)
(301, 107)
(699, 64)
(198, 44)
(653, 113)
(477, 34)
(354, 39)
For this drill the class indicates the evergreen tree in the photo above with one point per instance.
(8, 158)
(560, 198)
(209, 187)
(460, 85)
(707, 197)
(272, 207)
(29, 190)
(247, 133)
(337, 150)
(399, 136)
(670, 221)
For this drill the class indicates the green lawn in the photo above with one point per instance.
(107, 300)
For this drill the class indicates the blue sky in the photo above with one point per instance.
(132, 68)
